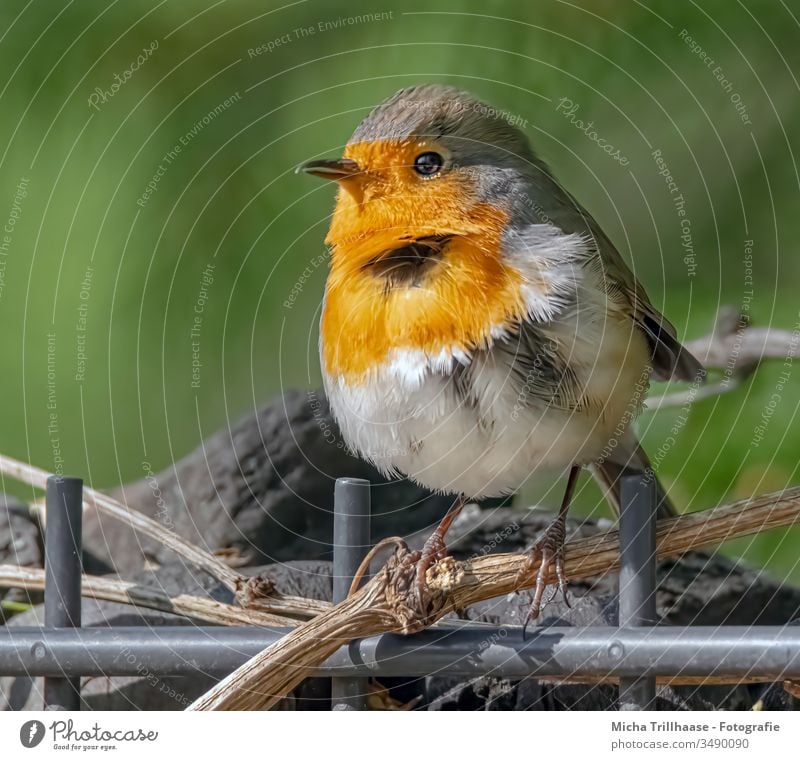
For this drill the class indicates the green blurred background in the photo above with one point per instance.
(100, 277)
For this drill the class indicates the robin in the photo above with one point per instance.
(478, 326)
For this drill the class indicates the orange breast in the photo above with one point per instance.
(463, 297)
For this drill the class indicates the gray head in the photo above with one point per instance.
(473, 131)
(432, 156)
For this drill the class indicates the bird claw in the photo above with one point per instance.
(549, 552)
(433, 550)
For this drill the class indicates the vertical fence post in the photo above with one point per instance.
(637, 576)
(62, 566)
(351, 538)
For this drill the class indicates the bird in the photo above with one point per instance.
(477, 325)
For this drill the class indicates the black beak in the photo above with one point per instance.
(336, 169)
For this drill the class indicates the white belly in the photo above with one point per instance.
(409, 418)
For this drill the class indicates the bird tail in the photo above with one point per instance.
(610, 473)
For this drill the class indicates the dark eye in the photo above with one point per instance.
(427, 164)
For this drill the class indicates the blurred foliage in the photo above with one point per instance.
(114, 275)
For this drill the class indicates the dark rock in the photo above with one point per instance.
(20, 544)
(263, 488)
(20, 540)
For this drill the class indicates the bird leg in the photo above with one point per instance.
(549, 550)
(434, 548)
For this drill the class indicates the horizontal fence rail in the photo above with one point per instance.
(764, 652)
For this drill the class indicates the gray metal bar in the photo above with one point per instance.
(351, 537)
(637, 576)
(62, 590)
(766, 652)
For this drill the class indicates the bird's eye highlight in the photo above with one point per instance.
(427, 164)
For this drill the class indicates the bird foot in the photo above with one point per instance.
(548, 551)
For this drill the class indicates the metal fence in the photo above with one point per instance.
(636, 652)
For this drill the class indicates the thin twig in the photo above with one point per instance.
(389, 603)
(734, 343)
(676, 680)
(37, 477)
(734, 348)
(693, 394)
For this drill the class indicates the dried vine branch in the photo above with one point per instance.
(124, 592)
(388, 602)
